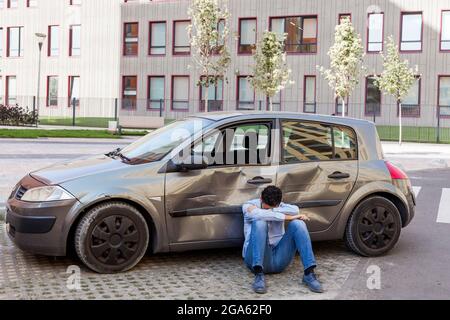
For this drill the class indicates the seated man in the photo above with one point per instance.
(267, 247)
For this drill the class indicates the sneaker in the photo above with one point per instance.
(259, 286)
(312, 283)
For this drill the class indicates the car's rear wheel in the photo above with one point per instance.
(112, 237)
(374, 227)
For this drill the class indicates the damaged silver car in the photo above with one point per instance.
(181, 188)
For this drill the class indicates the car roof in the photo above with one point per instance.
(246, 115)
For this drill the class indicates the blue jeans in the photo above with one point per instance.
(274, 259)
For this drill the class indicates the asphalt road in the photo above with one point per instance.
(417, 268)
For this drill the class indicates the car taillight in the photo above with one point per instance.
(396, 173)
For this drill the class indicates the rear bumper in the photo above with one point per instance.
(38, 227)
(411, 208)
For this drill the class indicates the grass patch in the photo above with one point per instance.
(41, 133)
(414, 134)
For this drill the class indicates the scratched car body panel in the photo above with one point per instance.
(326, 165)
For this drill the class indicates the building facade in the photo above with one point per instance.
(135, 56)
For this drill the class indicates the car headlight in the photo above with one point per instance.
(46, 194)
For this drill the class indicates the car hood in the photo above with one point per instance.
(77, 168)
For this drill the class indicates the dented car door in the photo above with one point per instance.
(203, 207)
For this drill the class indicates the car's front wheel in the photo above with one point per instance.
(112, 237)
(374, 227)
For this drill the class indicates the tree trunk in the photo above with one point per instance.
(270, 104)
(207, 100)
(400, 123)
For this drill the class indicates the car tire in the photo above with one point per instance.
(374, 227)
(112, 237)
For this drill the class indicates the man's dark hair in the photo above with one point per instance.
(272, 196)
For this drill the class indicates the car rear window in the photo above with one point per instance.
(313, 141)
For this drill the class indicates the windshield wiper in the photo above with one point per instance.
(117, 153)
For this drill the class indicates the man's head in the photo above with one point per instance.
(271, 197)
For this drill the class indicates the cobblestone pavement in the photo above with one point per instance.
(218, 274)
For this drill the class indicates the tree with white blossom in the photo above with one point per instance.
(346, 61)
(397, 78)
(209, 32)
(270, 73)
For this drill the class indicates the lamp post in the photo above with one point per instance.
(41, 37)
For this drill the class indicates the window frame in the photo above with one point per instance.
(71, 40)
(172, 92)
(21, 41)
(368, 33)
(239, 52)
(200, 95)
(7, 95)
(303, 17)
(304, 93)
(419, 105)
(440, 32)
(51, 39)
(238, 95)
(69, 91)
(150, 47)
(374, 114)
(174, 53)
(439, 106)
(341, 15)
(403, 13)
(133, 108)
(124, 45)
(47, 95)
(331, 125)
(149, 101)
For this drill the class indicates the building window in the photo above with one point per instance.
(445, 31)
(53, 41)
(411, 31)
(309, 94)
(215, 96)
(131, 39)
(219, 44)
(32, 3)
(11, 91)
(13, 3)
(156, 92)
(74, 91)
(52, 91)
(15, 42)
(129, 93)
(301, 33)
(343, 16)
(247, 35)
(1, 91)
(411, 103)
(245, 94)
(181, 44)
(444, 96)
(157, 38)
(1, 42)
(180, 92)
(75, 40)
(373, 98)
(375, 32)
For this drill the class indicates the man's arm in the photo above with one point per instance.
(252, 212)
(287, 209)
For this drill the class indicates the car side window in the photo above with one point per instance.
(244, 144)
(306, 141)
(345, 146)
(313, 141)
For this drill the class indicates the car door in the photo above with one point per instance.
(203, 207)
(318, 169)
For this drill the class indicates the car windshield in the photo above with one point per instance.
(157, 144)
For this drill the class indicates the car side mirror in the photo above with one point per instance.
(194, 162)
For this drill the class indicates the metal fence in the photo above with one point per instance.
(424, 123)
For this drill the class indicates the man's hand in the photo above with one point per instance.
(297, 217)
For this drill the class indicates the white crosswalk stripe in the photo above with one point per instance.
(444, 207)
(416, 191)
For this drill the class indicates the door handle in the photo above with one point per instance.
(259, 180)
(339, 175)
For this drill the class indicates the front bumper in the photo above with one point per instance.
(38, 227)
